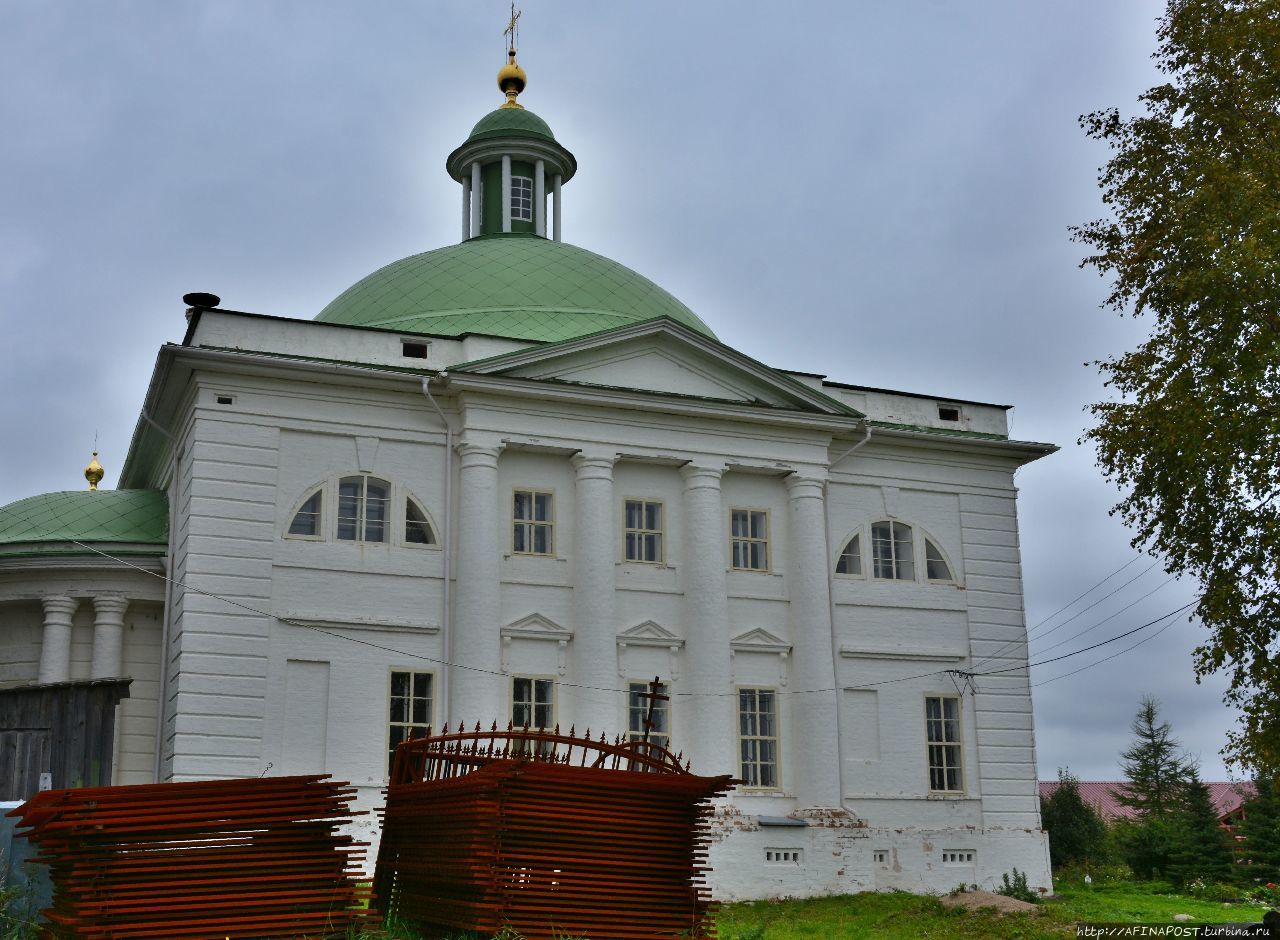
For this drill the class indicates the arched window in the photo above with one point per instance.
(936, 567)
(307, 520)
(850, 562)
(417, 527)
(892, 552)
(362, 509)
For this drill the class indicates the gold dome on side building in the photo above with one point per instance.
(94, 472)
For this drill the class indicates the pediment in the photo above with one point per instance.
(649, 633)
(663, 357)
(536, 627)
(759, 640)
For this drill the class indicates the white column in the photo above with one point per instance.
(506, 193)
(55, 647)
(540, 198)
(477, 690)
(555, 207)
(709, 716)
(595, 645)
(815, 771)
(108, 636)
(466, 208)
(477, 197)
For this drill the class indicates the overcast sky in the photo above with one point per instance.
(875, 191)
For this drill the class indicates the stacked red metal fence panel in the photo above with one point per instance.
(213, 859)
(551, 835)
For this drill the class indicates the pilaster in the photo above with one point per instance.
(540, 197)
(816, 764)
(476, 687)
(477, 196)
(595, 653)
(506, 193)
(709, 715)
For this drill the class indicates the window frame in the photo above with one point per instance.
(388, 723)
(362, 518)
(861, 574)
(942, 556)
(550, 522)
(320, 536)
(776, 737)
(514, 198)
(660, 532)
(893, 542)
(766, 541)
(638, 735)
(958, 744)
(534, 678)
(404, 535)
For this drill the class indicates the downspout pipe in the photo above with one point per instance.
(446, 546)
(831, 596)
(162, 699)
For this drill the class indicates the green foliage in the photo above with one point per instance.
(1193, 188)
(1076, 831)
(1145, 845)
(1016, 887)
(1261, 831)
(1201, 849)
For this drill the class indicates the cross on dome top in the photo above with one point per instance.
(511, 78)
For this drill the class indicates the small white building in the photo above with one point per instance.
(510, 479)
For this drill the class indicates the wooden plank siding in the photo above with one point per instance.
(65, 729)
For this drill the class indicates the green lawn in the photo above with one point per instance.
(909, 916)
(905, 915)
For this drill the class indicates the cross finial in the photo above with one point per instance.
(510, 31)
(654, 696)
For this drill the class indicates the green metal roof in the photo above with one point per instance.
(133, 516)
(511, 122)
(514, 285)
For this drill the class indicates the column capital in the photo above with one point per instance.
(110, 604)
(706, 475)
(804, 485)
(594, 465)
(55, 604)
(479, 455)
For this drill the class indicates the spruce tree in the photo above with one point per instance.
(1261, 830)
(1154, 766)
(1201, 848)
(1076, 831)
(1155, 771)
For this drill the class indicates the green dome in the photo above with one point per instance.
(511, 122)
(513, 285)
(135, 516)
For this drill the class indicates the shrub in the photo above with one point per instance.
(1017, 887)
(1076, 831)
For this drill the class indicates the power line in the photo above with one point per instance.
(1121, 636)
(1011, 644)
(1077, 635)
(479, 669)
(1105, 659)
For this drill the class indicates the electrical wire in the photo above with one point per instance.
(1105, 659)
(479, 669)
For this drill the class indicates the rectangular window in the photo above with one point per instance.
(750, 529)
(642, 524)
(532, 525)
(758, 737)
(412, 702)
(892, 555)
(521, 199)
(533, 702)
(942, 734)
(638, 708)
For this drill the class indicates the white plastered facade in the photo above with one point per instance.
(261, 412)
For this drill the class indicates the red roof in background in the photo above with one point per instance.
(1227, 797)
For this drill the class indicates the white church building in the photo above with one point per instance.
(512, 480)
